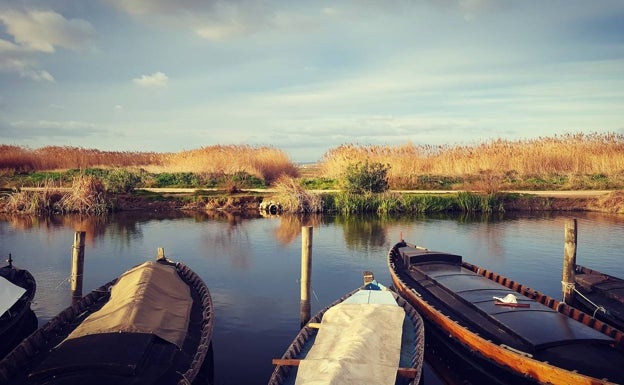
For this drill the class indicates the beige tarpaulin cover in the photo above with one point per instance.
(150, 298)
(356, 344)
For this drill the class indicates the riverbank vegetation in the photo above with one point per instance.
(87, 195)
(351, 178)
(191, 168)
(568, 162)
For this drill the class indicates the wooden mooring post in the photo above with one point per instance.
(569, 261)
(306, 272)
(77, 267)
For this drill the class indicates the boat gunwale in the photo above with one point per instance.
(516, 361)
(559, 306)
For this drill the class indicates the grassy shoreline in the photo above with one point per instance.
(98, 181)
(393, 203)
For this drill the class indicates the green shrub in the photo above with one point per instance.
(245, 180)
(121, 181)
(366, 178)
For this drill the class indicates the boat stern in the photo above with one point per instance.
(411, 255)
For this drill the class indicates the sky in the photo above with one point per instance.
(306, 76)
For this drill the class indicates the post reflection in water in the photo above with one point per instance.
(252, 265)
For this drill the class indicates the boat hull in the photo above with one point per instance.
(600, 295)
(19, 321)
(412, 347)
(48, 356)
(492, 355)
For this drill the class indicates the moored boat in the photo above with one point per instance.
(600, 294)
(371, 335)
(513, 333)
(17, 320)
(151, 325)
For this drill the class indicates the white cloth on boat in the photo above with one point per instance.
(356, 344)
(509, 298)
(149, 298)
(9, 294)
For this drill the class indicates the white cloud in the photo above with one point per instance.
(36, 31)
(147, 7)
(8, 47)
(25, 68)
(220, 31)
(45, 30)
(216, 20)
(157, 79)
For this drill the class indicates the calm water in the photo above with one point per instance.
(252, 265)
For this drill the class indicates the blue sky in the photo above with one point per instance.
(306, 76)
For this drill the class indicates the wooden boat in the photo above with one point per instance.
(152, 325)
(17, 320)
(527, 337)
(351, 341)
(600, 295)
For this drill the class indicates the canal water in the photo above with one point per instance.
(252, 265)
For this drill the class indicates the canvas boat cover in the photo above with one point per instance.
(149, 298)
(9, 294)
(358, 343)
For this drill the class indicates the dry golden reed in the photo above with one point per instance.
(62, 158)
(264, 162)
(571, 154)
(86, 196)
(295, 199)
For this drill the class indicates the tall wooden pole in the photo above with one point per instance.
(306, 271)
(569, 261)
(77, 267)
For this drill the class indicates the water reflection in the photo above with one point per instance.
(289, 228)
(362, 232)
(252, 263)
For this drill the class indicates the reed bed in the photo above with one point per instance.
(293, 198)
(87, 196)
(493, 162)
(23, 159)
(266, 163)
(33, 202)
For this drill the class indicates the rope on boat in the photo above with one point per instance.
(598, 307)
(568, 288)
